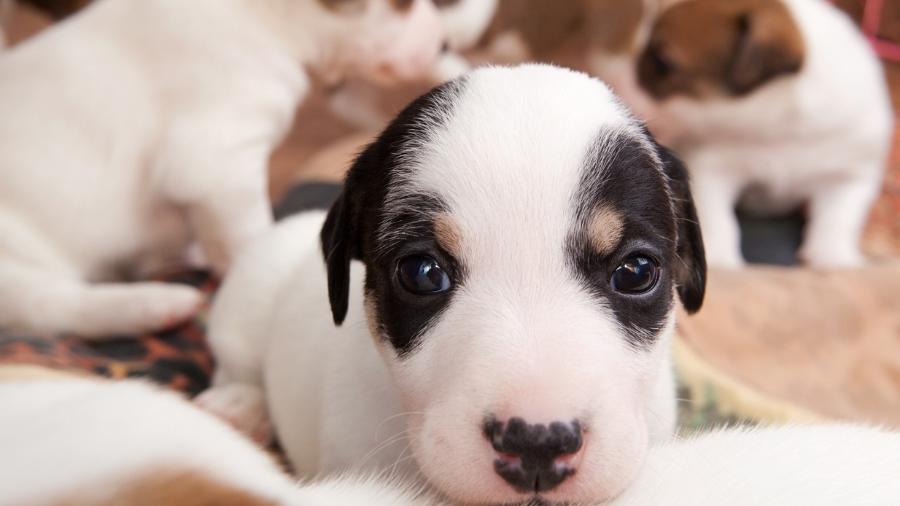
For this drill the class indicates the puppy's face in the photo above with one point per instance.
(712, 48)
(523, 238)
(384, 41)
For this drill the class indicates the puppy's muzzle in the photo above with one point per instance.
(534, 458)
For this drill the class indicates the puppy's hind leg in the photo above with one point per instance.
(837, 217)
(33, 301)
(715, 196)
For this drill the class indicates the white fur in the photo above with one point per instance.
(523, 339)
(829, 465)
(89, 439)
(820, 137)
(137, 126)
(86, 440)
(357, 102)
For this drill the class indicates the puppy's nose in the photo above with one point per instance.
(533, 458)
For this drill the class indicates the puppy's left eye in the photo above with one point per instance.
(422, 275)
(636, 275)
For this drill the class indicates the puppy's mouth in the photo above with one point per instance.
(540, 501)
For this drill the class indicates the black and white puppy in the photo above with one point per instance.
(512, 245)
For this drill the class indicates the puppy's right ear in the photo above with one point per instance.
(769, 44)
(690, 271)
(338, 244)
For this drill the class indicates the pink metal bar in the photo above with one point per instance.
(871, 22)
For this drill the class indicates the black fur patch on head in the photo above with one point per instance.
(634, 178)
(371, 224)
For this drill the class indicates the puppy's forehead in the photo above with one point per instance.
(513, 147)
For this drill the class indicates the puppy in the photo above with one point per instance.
(88, 442)
(161, 134)
(463, 21)
(774, 103)
(495, 304)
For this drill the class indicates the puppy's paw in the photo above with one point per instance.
(725, 260)
(163, 305)
(836, 258)
(102, 311)
(243, 406)
(723, 253)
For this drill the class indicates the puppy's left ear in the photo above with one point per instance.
(769, 44)
(690, 267)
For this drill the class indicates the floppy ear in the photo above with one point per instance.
(769, 44)
(336, 249)
(690, 269)
(341, 242)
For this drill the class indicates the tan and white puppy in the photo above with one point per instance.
(134, 127)
(495, 304)
(782, 98)
(90, 442)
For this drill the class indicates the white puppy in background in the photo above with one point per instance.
(779, 104)
(464, 22)
(135, 127)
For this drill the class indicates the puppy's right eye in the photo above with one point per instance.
(422, 275)
(636, 275)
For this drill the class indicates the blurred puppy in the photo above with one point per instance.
(90, 442)
(135, 127)
(508, 319)
(463, 22)
(776, 104)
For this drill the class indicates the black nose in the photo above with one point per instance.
(530, 455)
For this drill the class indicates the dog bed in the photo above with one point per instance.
(779, 344)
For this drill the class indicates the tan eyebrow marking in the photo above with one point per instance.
(447, 234)
(604, 229)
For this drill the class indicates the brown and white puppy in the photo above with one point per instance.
(784, 97)
(502, 267)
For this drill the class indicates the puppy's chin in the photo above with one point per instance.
(459, 463)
